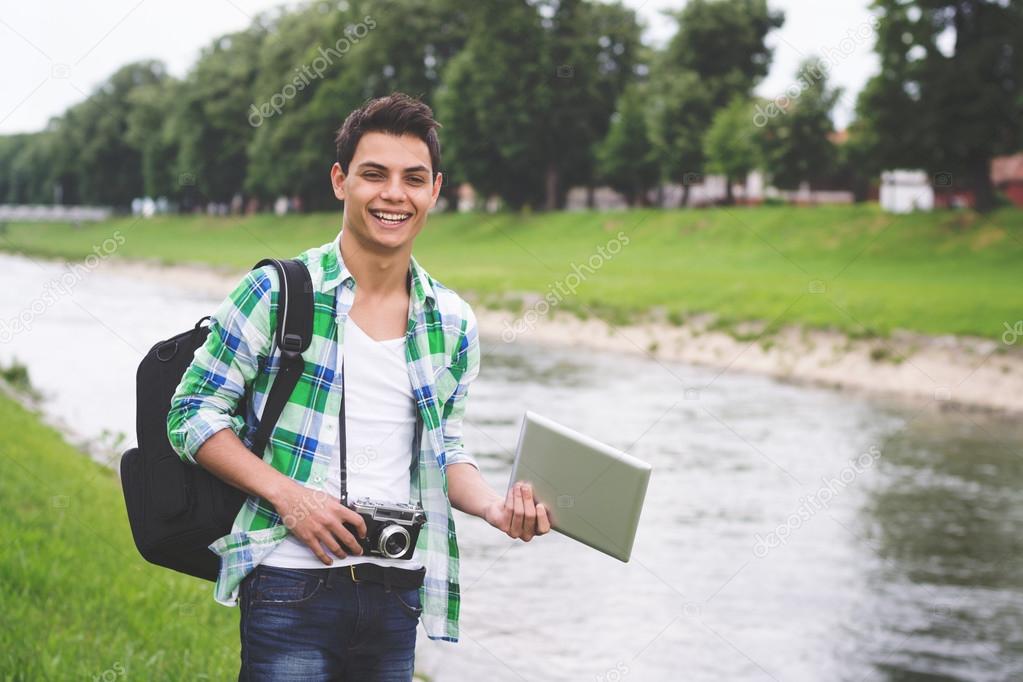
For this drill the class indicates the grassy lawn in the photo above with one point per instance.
(78, 602)
(853, 268)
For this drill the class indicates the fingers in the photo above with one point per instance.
(313, 542)
(328, 540)
(543, 521)
(353, 519)
(343, 532)
(518, 512)
(527, 517)
(528, 513)
(332, 544)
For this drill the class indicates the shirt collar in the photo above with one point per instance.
(334, 273)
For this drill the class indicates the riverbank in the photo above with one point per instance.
(925, 305)
(945, 370)
(853, 269)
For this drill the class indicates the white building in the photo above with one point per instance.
(904, 191)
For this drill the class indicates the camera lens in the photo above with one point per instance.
(394, 541)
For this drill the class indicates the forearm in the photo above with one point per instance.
(225, 456)
(468, 491)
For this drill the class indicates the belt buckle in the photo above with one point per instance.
(351, 569)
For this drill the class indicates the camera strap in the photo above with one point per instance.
(344, 441)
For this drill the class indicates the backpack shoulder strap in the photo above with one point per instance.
(293, 334)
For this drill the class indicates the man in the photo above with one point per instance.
(403, 349)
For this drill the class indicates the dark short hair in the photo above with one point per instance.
(396, 114)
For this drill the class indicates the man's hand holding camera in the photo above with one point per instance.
(319, 520)
(518, 515)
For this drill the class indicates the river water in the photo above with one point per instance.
(790, 533)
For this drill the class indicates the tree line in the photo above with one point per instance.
(536, 98)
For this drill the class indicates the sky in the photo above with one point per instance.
(56, 52)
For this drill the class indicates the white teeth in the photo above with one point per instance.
(393, 217)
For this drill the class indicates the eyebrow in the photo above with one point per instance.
(380, 166)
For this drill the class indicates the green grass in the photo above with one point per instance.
(852, 268)
(78, 602)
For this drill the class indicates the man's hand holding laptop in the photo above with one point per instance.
(518, 515)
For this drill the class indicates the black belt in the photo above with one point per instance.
(389, 576)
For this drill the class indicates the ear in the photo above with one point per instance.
(337, 180)
(436, 189)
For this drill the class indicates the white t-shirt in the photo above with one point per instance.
(380, 424)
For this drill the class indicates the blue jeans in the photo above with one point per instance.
(315, 624)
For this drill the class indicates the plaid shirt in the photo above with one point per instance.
(442, 354)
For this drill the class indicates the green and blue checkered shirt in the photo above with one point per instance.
(443, 357)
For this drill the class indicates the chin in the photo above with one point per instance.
(391, 239)
(391, 235)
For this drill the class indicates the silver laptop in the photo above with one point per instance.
(594, 493)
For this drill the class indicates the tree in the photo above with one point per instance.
(493, 103)
(305, 53)
(858, 166)
(627, 159)
(723, 42)
(364, 50)
(796, 140)
(215, 113)
(592, 50)
(621, 59)
(949, 96)
(98, 164)
(545, 80)
(27, 168)
(408, 52)
(731, 145)
(10, 145)
(717, 54)
(152, 129)
(680, 113)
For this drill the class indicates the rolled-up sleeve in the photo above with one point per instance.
(465, 368)
(210, 389)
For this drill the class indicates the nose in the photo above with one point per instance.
(393, 190)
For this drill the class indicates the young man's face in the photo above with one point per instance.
(388, 191)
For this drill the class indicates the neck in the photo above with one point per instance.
(377, 273)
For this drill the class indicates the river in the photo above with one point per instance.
(790, 533)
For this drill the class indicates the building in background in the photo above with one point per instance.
(1007, 176)
(904, 191)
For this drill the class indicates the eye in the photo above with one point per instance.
(416, 180)
(372, 175)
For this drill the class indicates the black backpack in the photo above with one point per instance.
(176, 509)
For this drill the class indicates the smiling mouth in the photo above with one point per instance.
(390, 218)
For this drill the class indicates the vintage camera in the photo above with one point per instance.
(392, 528)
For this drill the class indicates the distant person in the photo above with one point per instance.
(409, 345)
